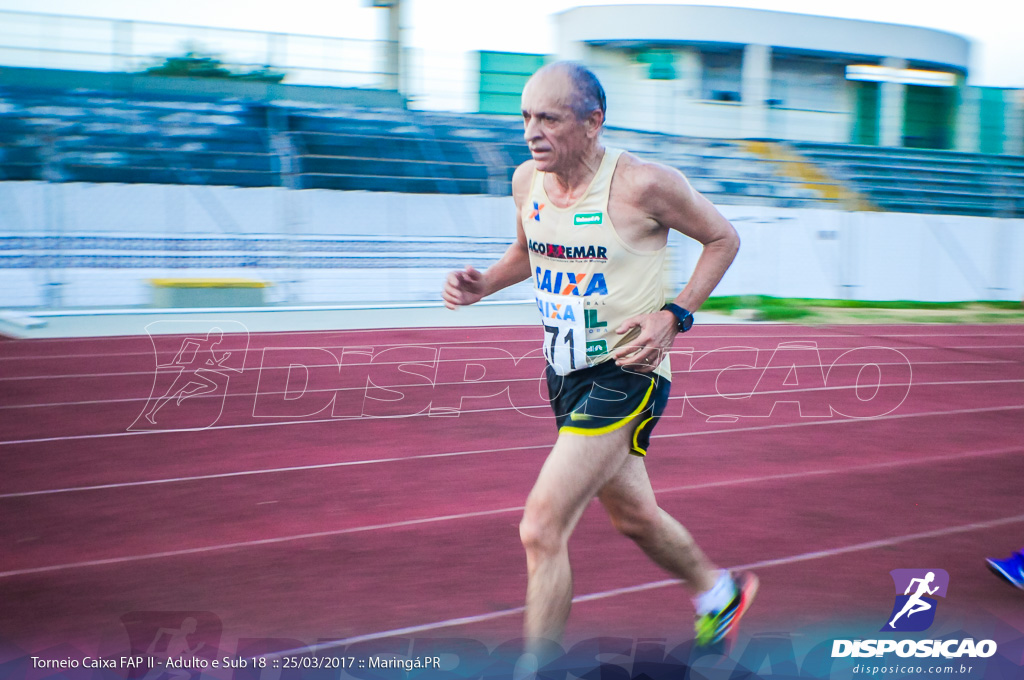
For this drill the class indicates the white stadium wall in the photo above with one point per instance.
(873, 255)
(785, 252)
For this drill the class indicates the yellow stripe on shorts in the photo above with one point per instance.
(636, 434)
(613, 426)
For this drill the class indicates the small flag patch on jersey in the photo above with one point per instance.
(580, 219)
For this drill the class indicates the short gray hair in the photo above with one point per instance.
(588, 94)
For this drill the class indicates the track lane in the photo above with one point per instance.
(330, 586)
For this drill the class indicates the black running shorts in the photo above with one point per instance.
(603, 398)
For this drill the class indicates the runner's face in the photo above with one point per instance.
(557, 140)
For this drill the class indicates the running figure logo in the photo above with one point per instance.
(168, 635)
(914, 609)
(194, 364)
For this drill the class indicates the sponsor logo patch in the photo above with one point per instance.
(582, 219)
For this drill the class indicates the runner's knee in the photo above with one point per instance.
(637, 523)
(540, 530)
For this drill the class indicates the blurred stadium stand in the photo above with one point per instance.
(383, 181)
(928, 181)
(112, 175)
(93, 137)
(82, 136)
(85, 136)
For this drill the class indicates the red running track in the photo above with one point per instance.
(327, 501)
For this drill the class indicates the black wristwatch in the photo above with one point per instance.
(684, 319)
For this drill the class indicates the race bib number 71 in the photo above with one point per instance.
(565, 332)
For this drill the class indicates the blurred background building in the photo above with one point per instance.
(721, 71)
(144, 163)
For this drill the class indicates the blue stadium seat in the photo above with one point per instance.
(96, 137)
(927, 181)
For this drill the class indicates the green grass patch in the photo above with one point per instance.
(782, 313)
(822, 311)
(775, 305)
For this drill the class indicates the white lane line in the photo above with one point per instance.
(808, 423)
(501, 381)
(251, 544)
(483, 360)
(484, 344)
(689, 351)
(483, 513)
(535, 339)
(653, 585)
(893, 416)
(213, 428)
(427, 456)
(856, 468)
(268, 471)
(505, 381)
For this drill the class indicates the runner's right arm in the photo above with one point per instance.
(469, 285)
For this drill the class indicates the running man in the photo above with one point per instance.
(592, 227)
(176, 647)
(915, 604)
(192, 379)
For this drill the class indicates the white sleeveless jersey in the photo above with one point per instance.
(586, 279)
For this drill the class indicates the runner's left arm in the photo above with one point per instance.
(674, 204)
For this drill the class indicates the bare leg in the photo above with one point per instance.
(576, 469)
(630, 502)
(180, 394)
(909, 606)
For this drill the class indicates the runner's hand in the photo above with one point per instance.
(463, 288)
(654, 335)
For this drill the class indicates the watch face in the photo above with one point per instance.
(684, 318)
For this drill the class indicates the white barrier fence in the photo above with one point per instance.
(73, 244)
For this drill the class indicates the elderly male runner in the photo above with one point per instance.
(592, 227)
